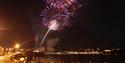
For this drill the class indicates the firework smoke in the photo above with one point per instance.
(51, 42)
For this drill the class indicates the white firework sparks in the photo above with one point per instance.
(53, 25)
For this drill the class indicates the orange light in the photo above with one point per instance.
(17, 46)
(22, 59)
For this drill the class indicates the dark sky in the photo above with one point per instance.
(14, 16)
(98, 23)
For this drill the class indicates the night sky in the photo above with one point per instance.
(98, 23)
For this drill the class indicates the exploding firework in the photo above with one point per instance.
(57, 14)
(60, 11)
(53, 25)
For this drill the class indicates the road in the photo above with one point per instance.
(5, 59)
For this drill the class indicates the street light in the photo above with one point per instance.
(17, 46)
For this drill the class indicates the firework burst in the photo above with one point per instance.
(53, 25)
(57, 14)
(59, 11)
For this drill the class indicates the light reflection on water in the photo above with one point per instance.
(79, 59)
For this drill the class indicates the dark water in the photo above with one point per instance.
(79, 59)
